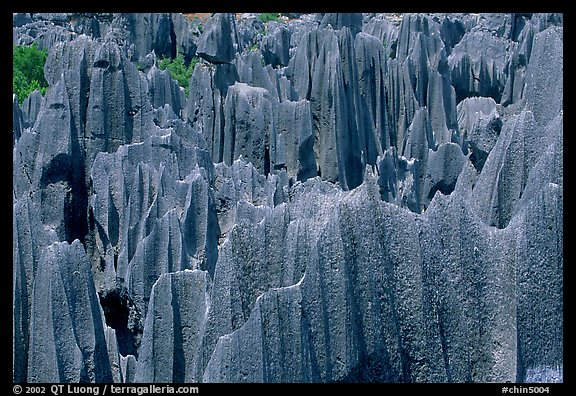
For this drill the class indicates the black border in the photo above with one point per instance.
(311, 7)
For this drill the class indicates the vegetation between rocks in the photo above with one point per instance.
(28, 70)
(179, 70)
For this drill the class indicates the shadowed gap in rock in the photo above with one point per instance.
(123, 316)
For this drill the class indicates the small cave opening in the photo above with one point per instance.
(67, 170)
(59, 169)
(478, 157)
(443, 186)
(123, 316)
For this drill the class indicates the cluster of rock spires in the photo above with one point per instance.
(340, 198)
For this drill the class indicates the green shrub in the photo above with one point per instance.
(178, 69)
(197, 22)
(28, 70)
(269, 16)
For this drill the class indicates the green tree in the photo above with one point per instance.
(269, 16)
(178, 69)
(28, 70)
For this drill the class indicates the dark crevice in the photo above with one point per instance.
(69, 169)
(76, 209)
(102, 64)
(123, 316)
(178, 361)
(173, 45)
(266, 160)
(113, 222)
(212, 238)
(371, 369)
(477, 157)
(59, 169)
(442, 186)
(132, 110)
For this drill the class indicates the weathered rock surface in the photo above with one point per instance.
(205, 106)
(174, 328)
(216, 43)
(164, 90)
(248, 126)
(276, 45)
(338, 198)
(64, 299)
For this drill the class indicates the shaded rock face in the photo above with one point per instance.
(338, 198)
(64, 299)
(216, 43)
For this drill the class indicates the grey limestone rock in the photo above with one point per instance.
(477, 64)
(151, 32)
(242, 182)
(249, 31)
(443, 168)
(31, 108)
(174, 328)
(107, 96)
(118, 109)
(164, 116)
(205, 106)
(322, 70)
(479, 125)
(352, 21)
(544, 79)
(42, 30)
(135, 186)
(128, 367)
(252, 72)
(248, 127)
(17, 119)
(165, 91)
(514, 89)
(372, 62)
(412, 26)
(113, 355)
(91, 24)
(441, 103)
(216, 43)
(67, 342)
(402, 102)
(451, 31)
(276, 45)
(547, 168)
(335, 344)
(29, 240)
(160, 251)
(385, 30)
(292, 146)
(539, 260)
(21, 18)
(272, 335)
(52, 174)
(505, 172)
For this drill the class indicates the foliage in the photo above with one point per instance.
(197, 22)
(178, 69)
(269, 16)
(28, 70)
